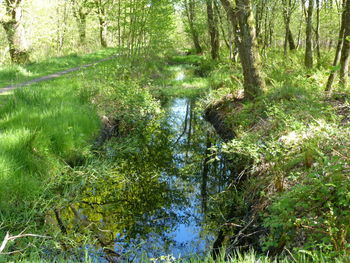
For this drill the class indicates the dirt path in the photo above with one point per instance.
(53, 76)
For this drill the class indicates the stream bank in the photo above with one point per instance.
(152, 200)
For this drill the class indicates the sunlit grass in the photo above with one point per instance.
(42, 127)
(248, 257)
(19, 73)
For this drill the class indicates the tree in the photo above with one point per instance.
(288, 8)
(242, 20)
(213, 30)
(101, 6)
(15, 31)
(345, 53)
(338, 49)
(190, 6)
(309, 46)
(81, 9)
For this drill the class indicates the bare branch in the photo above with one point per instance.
(8, 238)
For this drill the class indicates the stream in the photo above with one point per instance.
(159, 208)
(186, 236)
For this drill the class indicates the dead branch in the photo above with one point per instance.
(8, 238)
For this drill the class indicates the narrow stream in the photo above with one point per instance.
(159, 207)
(187, 236)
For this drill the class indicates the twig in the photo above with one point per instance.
(8, 238)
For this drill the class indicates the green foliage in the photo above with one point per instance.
(292, 148)
(317, 209)
(42, 132)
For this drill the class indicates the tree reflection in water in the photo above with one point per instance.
(151, 200)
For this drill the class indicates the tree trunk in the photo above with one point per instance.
(61, 26)
(291, 43)
(309, 47)
(318, 48)
(15, 33)
(191, 16)
(345, 53)
(213, 30)
(101, 13)
(287, 15)
(242, 17)
(103, 32)
(338, 50)
(289, 40)
(80, 14)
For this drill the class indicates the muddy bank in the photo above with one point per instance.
(217, 114)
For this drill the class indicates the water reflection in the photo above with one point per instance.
(152, 202)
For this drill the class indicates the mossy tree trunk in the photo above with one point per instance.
(81, 9)
(101, 13)
(338, 49)
(241, 18)
(318, 25)
(15, 32)
(191, 18)
(309, 46)
(345, 53)
(288, 7)
(213, 30)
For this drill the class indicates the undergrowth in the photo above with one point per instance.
(49, 130)
(294, 147)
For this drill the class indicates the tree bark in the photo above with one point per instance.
(318, 48)
(15, 32)
(213, 30)
(338, 49)
(241, 16)
(82, 29)
(345, 53)
(287, 14)
(80, 13)
(103, 32)
(309, 47)
(191, 16)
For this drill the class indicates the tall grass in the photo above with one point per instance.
(249, 257)
(14, 74)
(42, 127)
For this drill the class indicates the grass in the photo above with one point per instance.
(40, 130)
(43, 129)
(14, 74)
(49, 127)
(180, 81)
(249, 257)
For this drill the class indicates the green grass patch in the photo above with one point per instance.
(42, 128)
(181, 81)
(14, 74)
